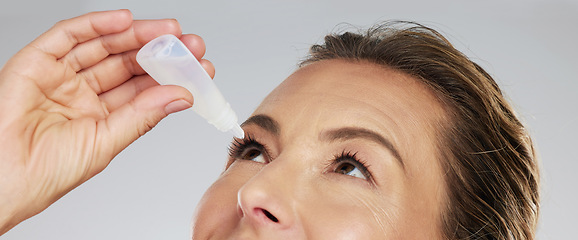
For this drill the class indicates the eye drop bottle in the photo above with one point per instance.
(168, 61)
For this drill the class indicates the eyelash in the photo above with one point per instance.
(238, 146)
(351, 157)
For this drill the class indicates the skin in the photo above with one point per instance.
(72, 100)
(293, 189)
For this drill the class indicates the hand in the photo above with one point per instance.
(72, 100)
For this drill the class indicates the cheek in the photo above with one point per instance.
(216, 209)
(216, 213)
(338, 212)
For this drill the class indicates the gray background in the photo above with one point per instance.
(150, 190)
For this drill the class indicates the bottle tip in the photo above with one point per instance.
(237, 131)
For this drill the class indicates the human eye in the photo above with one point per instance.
(248, 149)
(347, 163)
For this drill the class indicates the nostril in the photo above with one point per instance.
(270, 216)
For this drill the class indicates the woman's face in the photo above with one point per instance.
(340, 150)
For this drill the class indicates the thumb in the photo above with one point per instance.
(135, 118)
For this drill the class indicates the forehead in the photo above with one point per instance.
(356, 88)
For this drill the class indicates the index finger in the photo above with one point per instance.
(66, 34)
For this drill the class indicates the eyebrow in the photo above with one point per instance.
(265, 122)
(348, 133)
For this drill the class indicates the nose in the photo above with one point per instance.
(259, 208)
(267, 200)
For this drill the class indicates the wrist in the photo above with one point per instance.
(7, 215)
(11, 208)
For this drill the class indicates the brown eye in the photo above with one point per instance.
(248, 149)
(345, 168)
(347, 163)
(253, 154)
(350, 169)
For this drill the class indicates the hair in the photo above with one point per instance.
(491, 173)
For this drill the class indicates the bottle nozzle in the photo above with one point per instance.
(237, 131)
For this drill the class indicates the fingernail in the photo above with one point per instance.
(176, 106)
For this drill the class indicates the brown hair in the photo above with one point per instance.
(491, 173)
